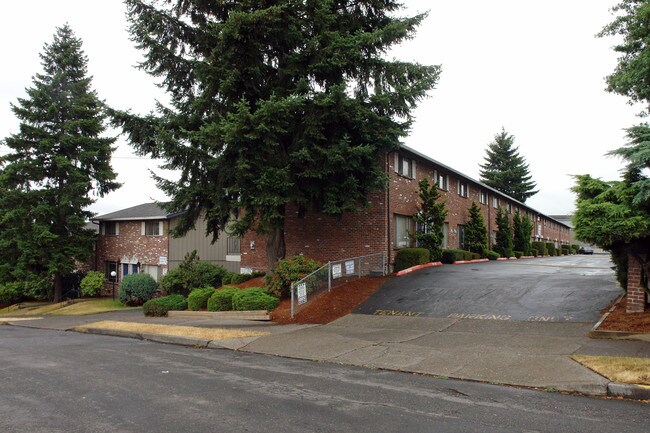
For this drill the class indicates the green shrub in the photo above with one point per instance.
(518, 254)
(136, 289)
(540, 247)
(159, 307)
(451, 256)
(198, 298)
(492, 255)
(468, 255)
(407, 257)
(192, 274)
(93, 283)
(575, 248)
(550, 247)
(240, 278)
(287, 271)
(10, 293)
(535, 253)
(254, 299)
(221, 300)
(566, 250)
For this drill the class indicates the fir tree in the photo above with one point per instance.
(503, 244)
(505, 170)
(273, 103)
(58, 158)
(431, 218)
(522, 227)
(476, 239)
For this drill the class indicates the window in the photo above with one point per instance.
(234, 246)
(128, 269)
(495, 202)
(154, 271)
(509, 208)
(482, 197)
(406, 167)
(110, 267)
(111, 228)
(463, 189)
(442, 181)
(152, 228)
(461, 236)
(403, 228)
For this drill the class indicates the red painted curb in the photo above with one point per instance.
(417, 268)
(462, 262)
(502, 258)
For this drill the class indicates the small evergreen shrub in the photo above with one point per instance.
(468, 255)
(550, 247)
(198, 298)
(93, 283)
(540, 247)
(136, 289)
(254, 299)
(192, 274)
(221, 300)
(450, 256)
(159, 307)
(10, 293)
(566, 250)
(518, 254)
(407, 257)
(492, 255)
(240, 278)
(288, 271)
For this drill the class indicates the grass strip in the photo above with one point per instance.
(93, 306)
(179, 331)
(618, 369)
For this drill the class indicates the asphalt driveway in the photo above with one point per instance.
(553, 289)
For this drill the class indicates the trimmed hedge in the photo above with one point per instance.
(451, 256)
(136, 289)
(407, 257)
(93, 283)
(492, 255)
(518, 254)
(288, 271)
(159, 307)
(221, 300)
(198, 298)
(540, 247)
(253, 299)
(550, 247)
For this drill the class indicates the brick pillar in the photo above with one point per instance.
(635, 289)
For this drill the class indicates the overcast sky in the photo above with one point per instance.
(534, 68)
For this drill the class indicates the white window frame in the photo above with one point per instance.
(482, 197)
(495, 202)
(443, 181)
(402, 240)
(405, 166)
(463, 188)
(151, 224)
(115, 224)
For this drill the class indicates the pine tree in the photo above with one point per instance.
(58, 158)
(503, 244)
(476, 239)
(273, 103)
(505, 170)
(431, 219)
(522, 228)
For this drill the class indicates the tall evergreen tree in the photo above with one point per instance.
(503, 244)
(505, 170)
(431, 219)
(476, 239)
(522, 228)
(58, 158)
(273, 103)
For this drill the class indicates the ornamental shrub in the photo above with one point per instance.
(93, 283)
(159, 307)
(450, 256)
(540, 247)
(566, 250)
(254, 299)
(198, 298)
(192, 274)
(518, 254)
(407, 257)
(136, 289)
(288, 271)
(221, 300)
(468, 255)
(492, 255)
(550, 247)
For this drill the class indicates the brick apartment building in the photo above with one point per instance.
(384, 225)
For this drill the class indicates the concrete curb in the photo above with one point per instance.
(463, 262)
(417, 268)
(628, 391)
(233, 315)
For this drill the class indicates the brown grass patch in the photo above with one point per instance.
(178, 331)
(92, 306)
(618, 369)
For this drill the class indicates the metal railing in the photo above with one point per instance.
(334, 274)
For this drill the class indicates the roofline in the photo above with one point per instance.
(149, 218)
(458, 173)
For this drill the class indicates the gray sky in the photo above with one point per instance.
(534, 68)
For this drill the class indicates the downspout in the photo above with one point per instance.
(388, 255)
(489, 206)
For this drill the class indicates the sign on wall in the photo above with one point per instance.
(302, 293)
(162, 260)
(349, 267)
(337, 271)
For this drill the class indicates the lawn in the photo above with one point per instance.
(618, 369)
(81, 307)
(180, 331)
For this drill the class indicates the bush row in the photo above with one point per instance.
(233, 299)
(159, 307)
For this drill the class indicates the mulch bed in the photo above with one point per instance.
(619, 320)
(329, 306)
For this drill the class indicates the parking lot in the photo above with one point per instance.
(552, 289)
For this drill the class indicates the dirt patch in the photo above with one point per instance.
(254, 282)
(619, 320)
(329, 306)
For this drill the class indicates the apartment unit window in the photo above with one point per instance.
(482, 197)
(461, 236)
(152, 228)
(442, 181)
(128, 269)
(110, 267)
(495, 202)
(463, 189)
(111, 228)
(403, 228)
(406, 167)
(509, 208)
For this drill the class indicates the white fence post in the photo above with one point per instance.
(292, 300)
(329, 276)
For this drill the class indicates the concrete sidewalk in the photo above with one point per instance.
(529, 354)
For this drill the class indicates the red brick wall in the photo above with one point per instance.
(635, 288)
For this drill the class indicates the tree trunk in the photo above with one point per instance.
(275, 248)
(58, 287)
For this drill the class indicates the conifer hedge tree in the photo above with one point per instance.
(505, 170)
(57, 160)
(503, 244)
(522, 227)
(273, 103)
(431, 219)
(476, 239)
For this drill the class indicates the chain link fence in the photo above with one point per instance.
(334, 274)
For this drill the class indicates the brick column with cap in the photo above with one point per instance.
(635, 289)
